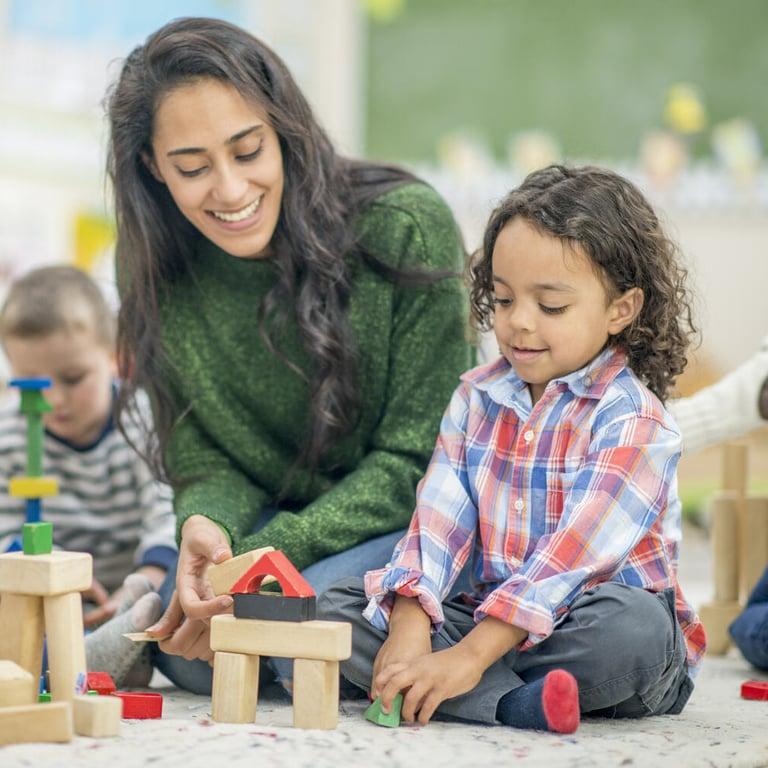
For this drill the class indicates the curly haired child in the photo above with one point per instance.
(554, 471)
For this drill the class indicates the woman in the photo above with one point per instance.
(294, 315)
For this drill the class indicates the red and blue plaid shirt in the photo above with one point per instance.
(550, 500)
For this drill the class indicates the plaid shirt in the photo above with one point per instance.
(551, 499)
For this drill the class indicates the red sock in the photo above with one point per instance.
(560, 701)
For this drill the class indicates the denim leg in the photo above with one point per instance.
(750, 633)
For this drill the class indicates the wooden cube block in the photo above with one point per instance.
(17, 686)
(97, 716)
(716, 617)
(44, 575)
(37, 538)
(224, 575)
(36, 723)
(323, 640)
(315, 694)
(235, 687)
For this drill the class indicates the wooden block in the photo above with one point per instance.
(33, 487)
(66, 647)
(724, 527)
(224, 575)
(17, 686)
(315, 694)
(271, 606)
(324, 640)
(21, 638)
(734, 475)
(235, 687)
(97, 716)
(37, 538)
(141, 706)
(144, 637)
(754, 544)
(716, 617)
(36, 723)
(43, 575)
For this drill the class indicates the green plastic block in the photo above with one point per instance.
(92, 693)
(37, 538)
(392, 720)
(33, 402)
(44, 697)
(35, 432)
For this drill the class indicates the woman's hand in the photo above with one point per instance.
(193, 603)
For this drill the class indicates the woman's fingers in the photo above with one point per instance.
(169, 622)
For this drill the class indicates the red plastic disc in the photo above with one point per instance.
(141, 706)
(755, 689)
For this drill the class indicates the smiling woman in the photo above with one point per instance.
(281, 304)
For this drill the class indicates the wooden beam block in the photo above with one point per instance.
(716, 617)
(271, 606)
(43, 575)
(734, 474)
(324, 640)
(36, 723)
(21, 638)
(754, 544)
(224, 575)
(724, 528)
(235, 687)
(66, 647)
(17, 686)
(97, 716)
(315, 694)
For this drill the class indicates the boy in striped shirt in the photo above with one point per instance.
(56, 324)
(554, 477)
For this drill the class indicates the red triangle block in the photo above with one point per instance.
(755, 689)
(274, 564)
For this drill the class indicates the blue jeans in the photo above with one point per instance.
(750, 629)
(197, 675)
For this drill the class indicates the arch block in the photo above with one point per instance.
(277, 565)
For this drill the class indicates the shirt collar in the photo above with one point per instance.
(503, 385)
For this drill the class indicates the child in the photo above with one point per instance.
(555, 470)
(56, 324)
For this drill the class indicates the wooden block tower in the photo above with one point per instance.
(739, 535)
(269, 624)
(40, 596)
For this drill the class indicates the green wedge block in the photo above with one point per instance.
(392, 720)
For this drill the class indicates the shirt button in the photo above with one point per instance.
(587, 381)
(528, 436)
(519, 505)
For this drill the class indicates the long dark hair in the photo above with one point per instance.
(155, 241)
(609, 219)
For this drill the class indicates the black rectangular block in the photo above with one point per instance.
(274, 607)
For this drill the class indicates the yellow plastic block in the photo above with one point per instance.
(33, 487)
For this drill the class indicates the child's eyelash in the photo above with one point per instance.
(553, 310)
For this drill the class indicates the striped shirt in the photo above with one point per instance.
(549, 500)
(108, 502)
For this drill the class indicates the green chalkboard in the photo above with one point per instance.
(593, 72)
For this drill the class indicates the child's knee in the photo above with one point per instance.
(345, 599)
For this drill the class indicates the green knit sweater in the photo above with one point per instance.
(248, 410)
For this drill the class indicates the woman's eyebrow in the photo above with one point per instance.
(231, 140)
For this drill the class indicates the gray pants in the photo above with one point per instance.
(623, 645)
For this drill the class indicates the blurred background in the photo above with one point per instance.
(472, 94)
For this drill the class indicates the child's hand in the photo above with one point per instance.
(106, 607)
(398, 648)
(429, 680)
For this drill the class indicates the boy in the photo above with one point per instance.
(56, 324)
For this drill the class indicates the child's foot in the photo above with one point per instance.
(134, 586)
(106, 649)
(549, 704)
